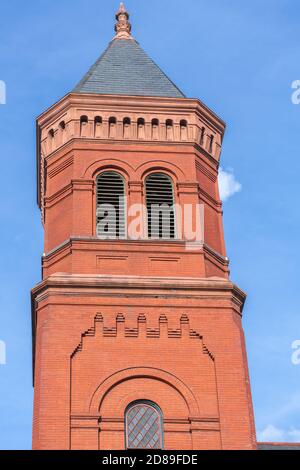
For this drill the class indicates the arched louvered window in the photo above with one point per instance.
(160, 206)
(110, 206)
(144, 426)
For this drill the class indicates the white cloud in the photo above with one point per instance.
(228, 185)
(2, 92)
(2, 353)
(273, 434)
(295, 435)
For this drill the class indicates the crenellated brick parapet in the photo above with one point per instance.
(117, 362)
(142, 331)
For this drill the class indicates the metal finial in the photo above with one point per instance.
(123, 26)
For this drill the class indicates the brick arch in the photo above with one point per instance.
(112, 164)
(174, 171)
(139, 373)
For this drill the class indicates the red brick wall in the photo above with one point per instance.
(220, 413)
(170, 325)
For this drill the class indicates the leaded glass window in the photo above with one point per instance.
(144, 426)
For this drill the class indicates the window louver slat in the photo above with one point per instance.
(160, 207)
(111, 204)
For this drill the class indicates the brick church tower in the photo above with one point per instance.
(138, 338)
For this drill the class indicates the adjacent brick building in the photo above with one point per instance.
(138, 339)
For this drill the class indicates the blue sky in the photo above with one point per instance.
(240, 58)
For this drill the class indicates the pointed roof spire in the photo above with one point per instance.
(125, 68)
(123, 26)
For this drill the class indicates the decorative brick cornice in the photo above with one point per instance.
(163, 246)
(192, 123)
(167, 287)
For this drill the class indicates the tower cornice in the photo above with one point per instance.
(61, 124)
(137, 285)
(74, 99)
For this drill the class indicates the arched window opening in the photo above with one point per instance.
(62, 133)
(155, 129)
(112, 128)
(211, 143)
(110, 206)
(50, 142)
(170, 129)
(84, 126)
(144, 426)
(127, 128)
(183, 130)
(160, 206)
(98, 127)
(141, 128)
(202, 135)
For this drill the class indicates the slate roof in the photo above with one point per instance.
(125, 69)
(277, 446)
